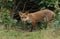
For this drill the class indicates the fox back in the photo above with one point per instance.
(43, 15)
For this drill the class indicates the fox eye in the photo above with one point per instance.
(21, 17)
(24, 17)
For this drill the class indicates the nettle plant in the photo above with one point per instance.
(6, 19)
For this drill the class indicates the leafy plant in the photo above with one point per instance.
(6, 19)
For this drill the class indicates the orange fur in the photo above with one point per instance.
(39, 16)
(43, 15)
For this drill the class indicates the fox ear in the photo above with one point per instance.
(20, 13)
(26, 13)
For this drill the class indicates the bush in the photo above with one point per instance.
(6, 19)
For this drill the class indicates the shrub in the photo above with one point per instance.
(6, 19)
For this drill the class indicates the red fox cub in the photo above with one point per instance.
(33, 18)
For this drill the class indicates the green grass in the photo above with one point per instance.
(43, 34)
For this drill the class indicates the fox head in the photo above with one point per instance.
(24, 17)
